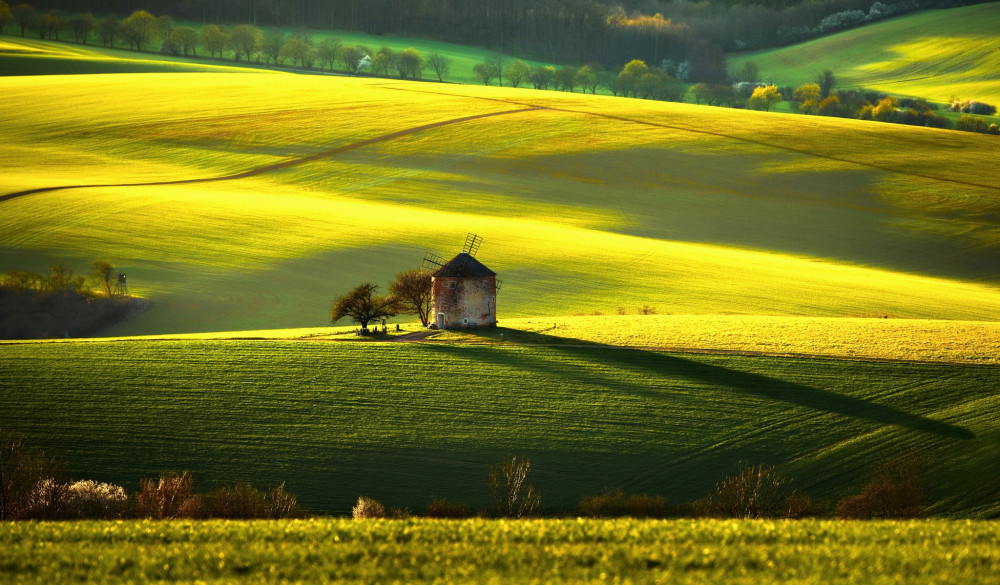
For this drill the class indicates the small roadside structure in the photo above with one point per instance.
(463, 294)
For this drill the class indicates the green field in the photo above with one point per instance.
(585, 203)
(406, 423)
(486, 551)
(27, 56)
(935, 54)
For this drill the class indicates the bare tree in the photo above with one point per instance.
(271, 44)
(20, 475)
(440, 64)
(327, 52)
(363, 305)
(517, 72)
(484, 72)
(409, 63)
(496, 62)
(412, 290)
(508, 485)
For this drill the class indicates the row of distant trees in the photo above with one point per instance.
(635, 79)
(141, 31)
(823, 99)
(607, 32)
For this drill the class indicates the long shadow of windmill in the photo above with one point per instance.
(463, 290)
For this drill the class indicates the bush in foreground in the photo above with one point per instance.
(507, 482)
(367, 508)
(442, 508)
(755, 491)
(614, 503)
(172, 497)
(897, 491)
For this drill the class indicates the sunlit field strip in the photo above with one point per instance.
(872, 337)
(934, 54)
(491, 551)
(865, 338)
(208, 235)
(306, 229)
(402, 422)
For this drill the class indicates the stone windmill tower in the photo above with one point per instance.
(463, 290)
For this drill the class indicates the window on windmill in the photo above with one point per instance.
(452, 284)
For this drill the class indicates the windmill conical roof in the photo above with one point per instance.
(463, 265)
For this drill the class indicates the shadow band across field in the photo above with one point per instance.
(282, 165)
(746, 383)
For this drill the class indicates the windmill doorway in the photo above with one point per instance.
(440, 321)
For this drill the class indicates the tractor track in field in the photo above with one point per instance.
(284, 164)
(679, 128)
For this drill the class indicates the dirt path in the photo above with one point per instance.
(282, 165)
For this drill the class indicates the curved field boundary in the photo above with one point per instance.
(282, 165)
(717, 134)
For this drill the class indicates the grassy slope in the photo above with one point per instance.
(408, 422)
(937, 55)
(602, 201)
(486, 551)
(27, 56)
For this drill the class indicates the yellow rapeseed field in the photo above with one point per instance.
(585, 203)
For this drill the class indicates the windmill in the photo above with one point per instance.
(432, 261)
(463, 290)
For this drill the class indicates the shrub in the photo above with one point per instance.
(896, 491)
(367, 508)
(47, 500)
(99, 501)
(971, 124)
(192, 507)
(755, 491)
(841, 20)
(614, 503)
(512, 495)
(166, 498)
(611, 503)
(20, 474)
(994, 129)
(241, 501)
(442, 508)
(644, 506)
(972, 107)
(281, 504)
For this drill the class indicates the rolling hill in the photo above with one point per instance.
(935, 54)
(250, 200)
(407, 422)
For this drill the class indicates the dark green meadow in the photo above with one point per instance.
(498, 551)
(405, 423)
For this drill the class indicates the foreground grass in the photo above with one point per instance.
(496, 551)
(934, 54)
(405, 423)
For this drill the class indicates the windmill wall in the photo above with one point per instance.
(458, 302)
